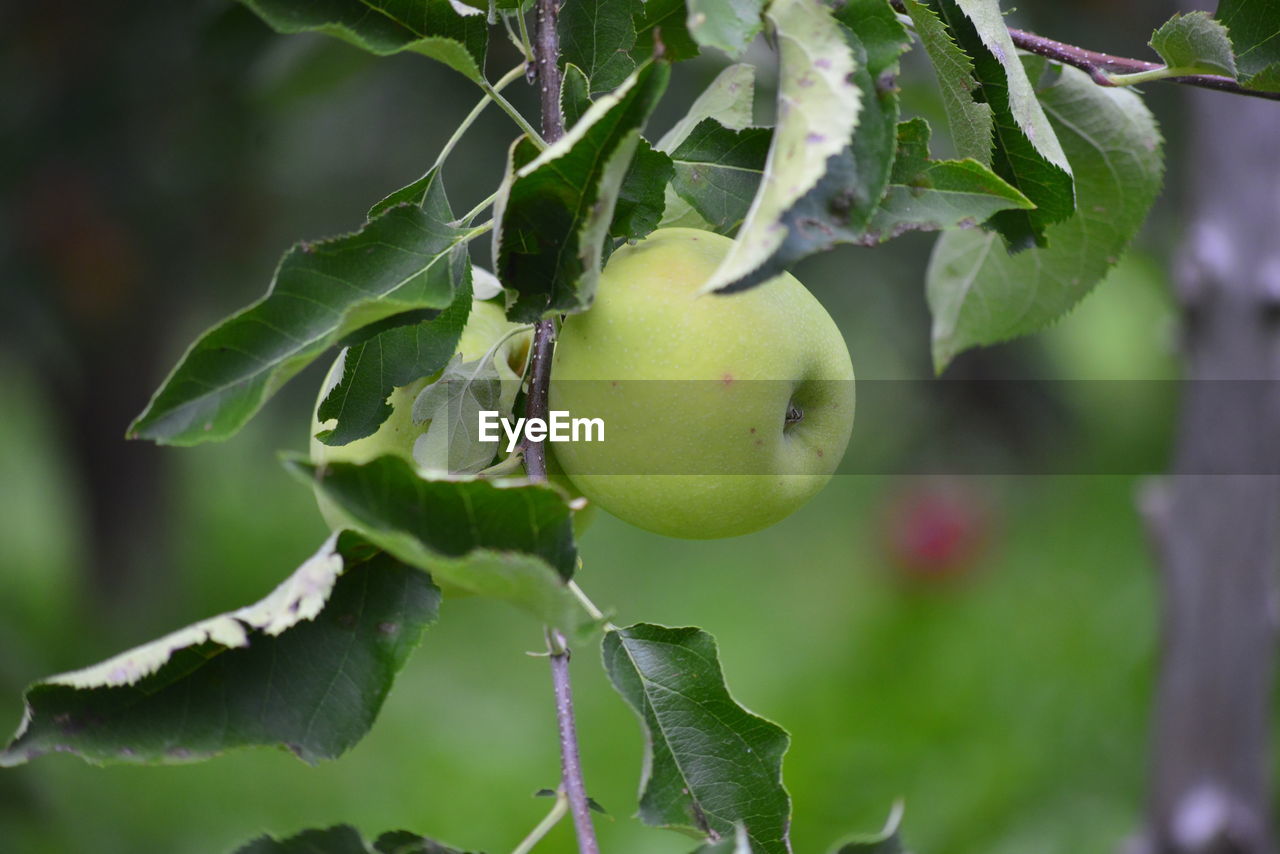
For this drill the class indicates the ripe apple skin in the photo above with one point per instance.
(732, 368)
(485, 324)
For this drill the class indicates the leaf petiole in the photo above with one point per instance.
(1137, 78)
(514, 38)
(474, 212)
(524, 37)
(493, 350)
(558, 811)
(589, 606)
(510, 465)
(520, 120)
(490, 93)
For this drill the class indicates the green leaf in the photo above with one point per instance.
(979, 294)
(887, 841)
(510, 540)
(597, 36)
(1027, 153)
(730, 101)
(554, 213)
(434, 28)
(450, 518)
(668, 20)
(931, 195)
(887, 845)
(717, 172)
(642, 198)
(453, 404)
(839, 208)
(818, 107)
(344, 839)
(1266, 80)
(709, 763)
(407, 842)
(727, 25)
(307, 668)
(375, 367)
(1254, 26)
(881, 34)
(426, 192)
(680, 214)
(1194, 43)
(970, 119)
(874, 146)
(575, 95)
(321, 292)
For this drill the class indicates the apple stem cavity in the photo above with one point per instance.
(794, 415)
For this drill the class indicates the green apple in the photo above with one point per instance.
(486, 324)
(723, 414)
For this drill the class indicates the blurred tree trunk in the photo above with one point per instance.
(1215, 522)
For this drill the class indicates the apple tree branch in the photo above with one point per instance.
(546, 57)
(1102, 66)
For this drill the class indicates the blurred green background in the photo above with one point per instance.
(160, 157)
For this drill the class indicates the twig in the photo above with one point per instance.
(1108, 70)
(546, 51)
(570, 760)
(546, 56)
(544, 336)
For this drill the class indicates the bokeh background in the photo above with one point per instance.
(980, 646)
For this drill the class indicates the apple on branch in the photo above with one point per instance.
(724, 413)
